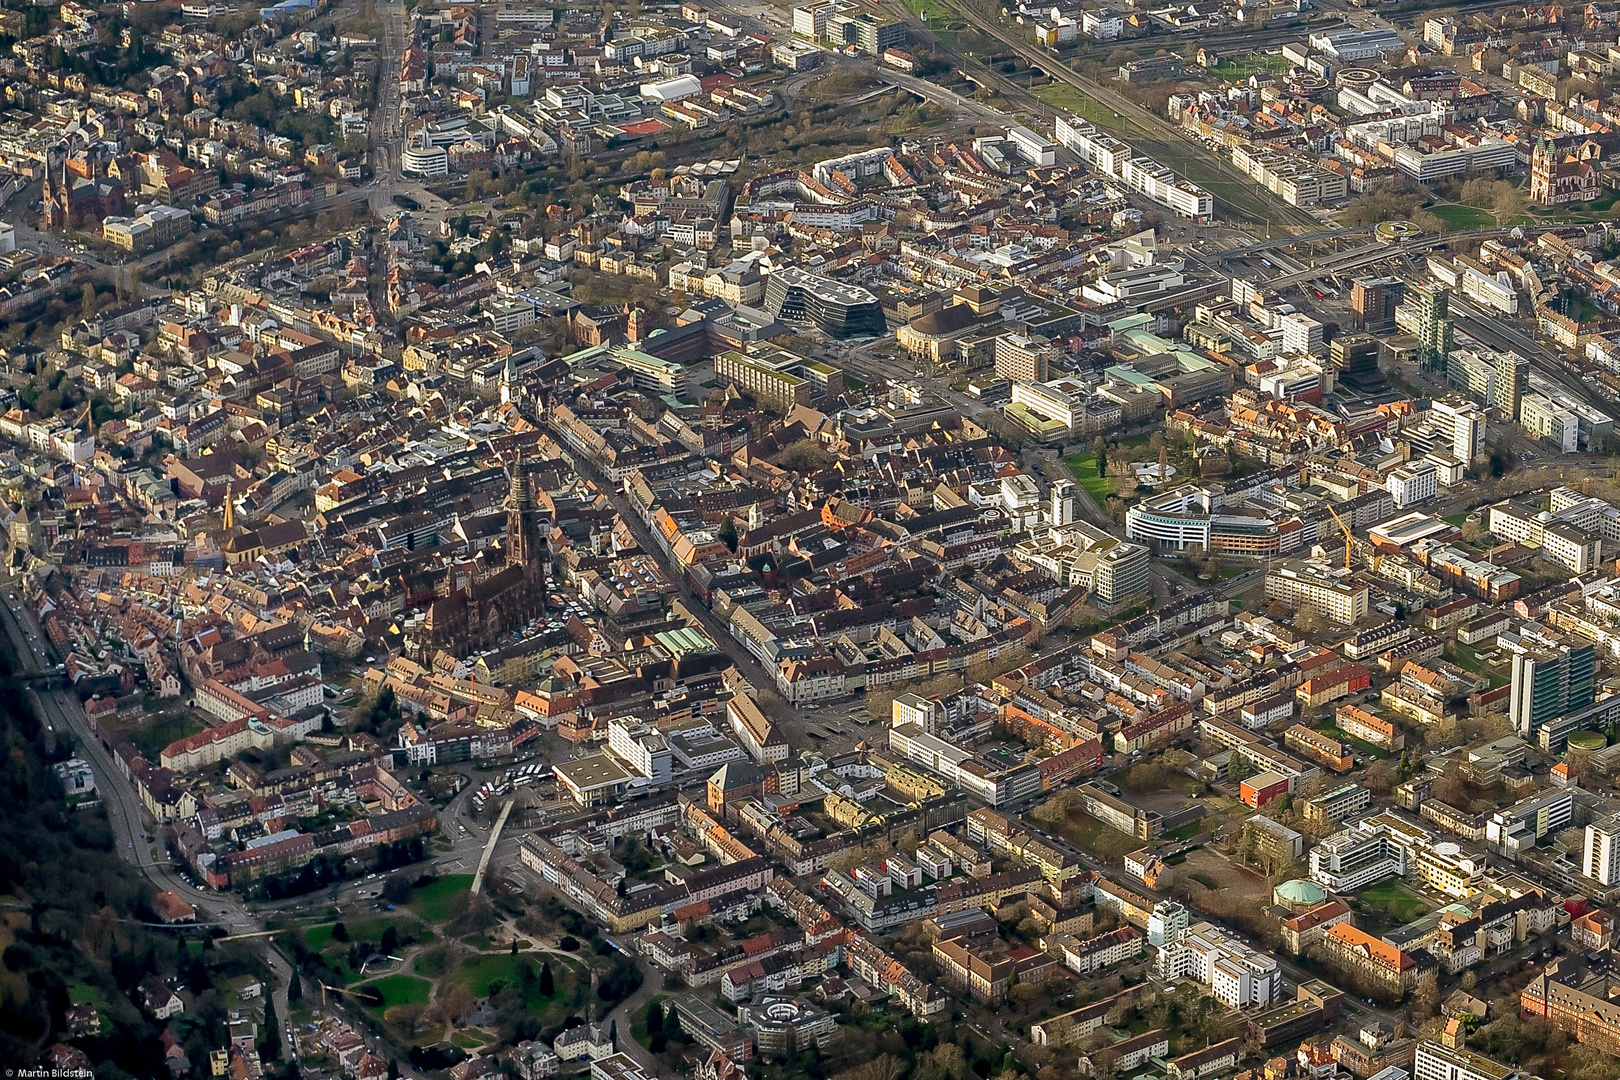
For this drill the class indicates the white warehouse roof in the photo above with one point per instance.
(681, 86)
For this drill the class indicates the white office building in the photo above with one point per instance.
(1121, 574)
(1387, 844)
(926, 712)
(810, 20)
(1465, 423)
(1436, 1061)
(1021, 499)
(425, 160)
(641, 749)
(1033, 148)
(1302, 335)
(1601, 855)
(1349, 861)
(1047, 402)
(1238, 976)
(1140, 174)
(1413, 483)
(1528, 821)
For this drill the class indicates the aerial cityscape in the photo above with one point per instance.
(858, 540)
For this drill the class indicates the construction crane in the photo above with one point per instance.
(1348, 538)
(362, 998)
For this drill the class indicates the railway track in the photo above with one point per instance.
(1165, 140)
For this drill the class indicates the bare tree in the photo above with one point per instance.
(1426, 996)
(882, 1067)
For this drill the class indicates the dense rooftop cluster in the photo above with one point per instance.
(729, 490)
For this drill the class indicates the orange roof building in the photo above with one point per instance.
(1360, 952)
(169, 907)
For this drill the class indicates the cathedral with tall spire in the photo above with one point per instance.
(520, 546)
(478, 608)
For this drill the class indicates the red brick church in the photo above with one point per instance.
(79, 197)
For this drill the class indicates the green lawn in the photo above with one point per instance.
(1186, 832)
(1089, 834)
(1467, 658)
(1256, 63)
(1084, 468)
(1365, 749)
(936, 12)
(638, 1025)
(917, 7)
(402, 990)
(151, 740)
(1073, 101)
(1459, 216)
(941, 17)
(479, 973)
(1407, 904)
(432, 902)
(318, 938)
(1456, 519)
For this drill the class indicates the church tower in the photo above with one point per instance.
(54, 199)
(1541, 172)
(519, 544)
(508, 380)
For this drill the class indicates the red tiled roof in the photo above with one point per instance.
(1380, 952)
(650, 126)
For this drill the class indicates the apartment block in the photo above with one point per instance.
(1338, 805)
(1306, 585)
(1360, 724)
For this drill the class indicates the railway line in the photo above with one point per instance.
(1165, 139)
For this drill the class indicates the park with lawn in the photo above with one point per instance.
(432, 900)
(1084, 469)
(1388, 904)
(434, 964)
(1150, 785)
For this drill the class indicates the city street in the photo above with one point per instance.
(718, 632)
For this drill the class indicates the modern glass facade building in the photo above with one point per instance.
(1549, 682)
(835, 308)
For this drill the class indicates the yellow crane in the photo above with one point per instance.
(1348, 537)
(364, 999)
